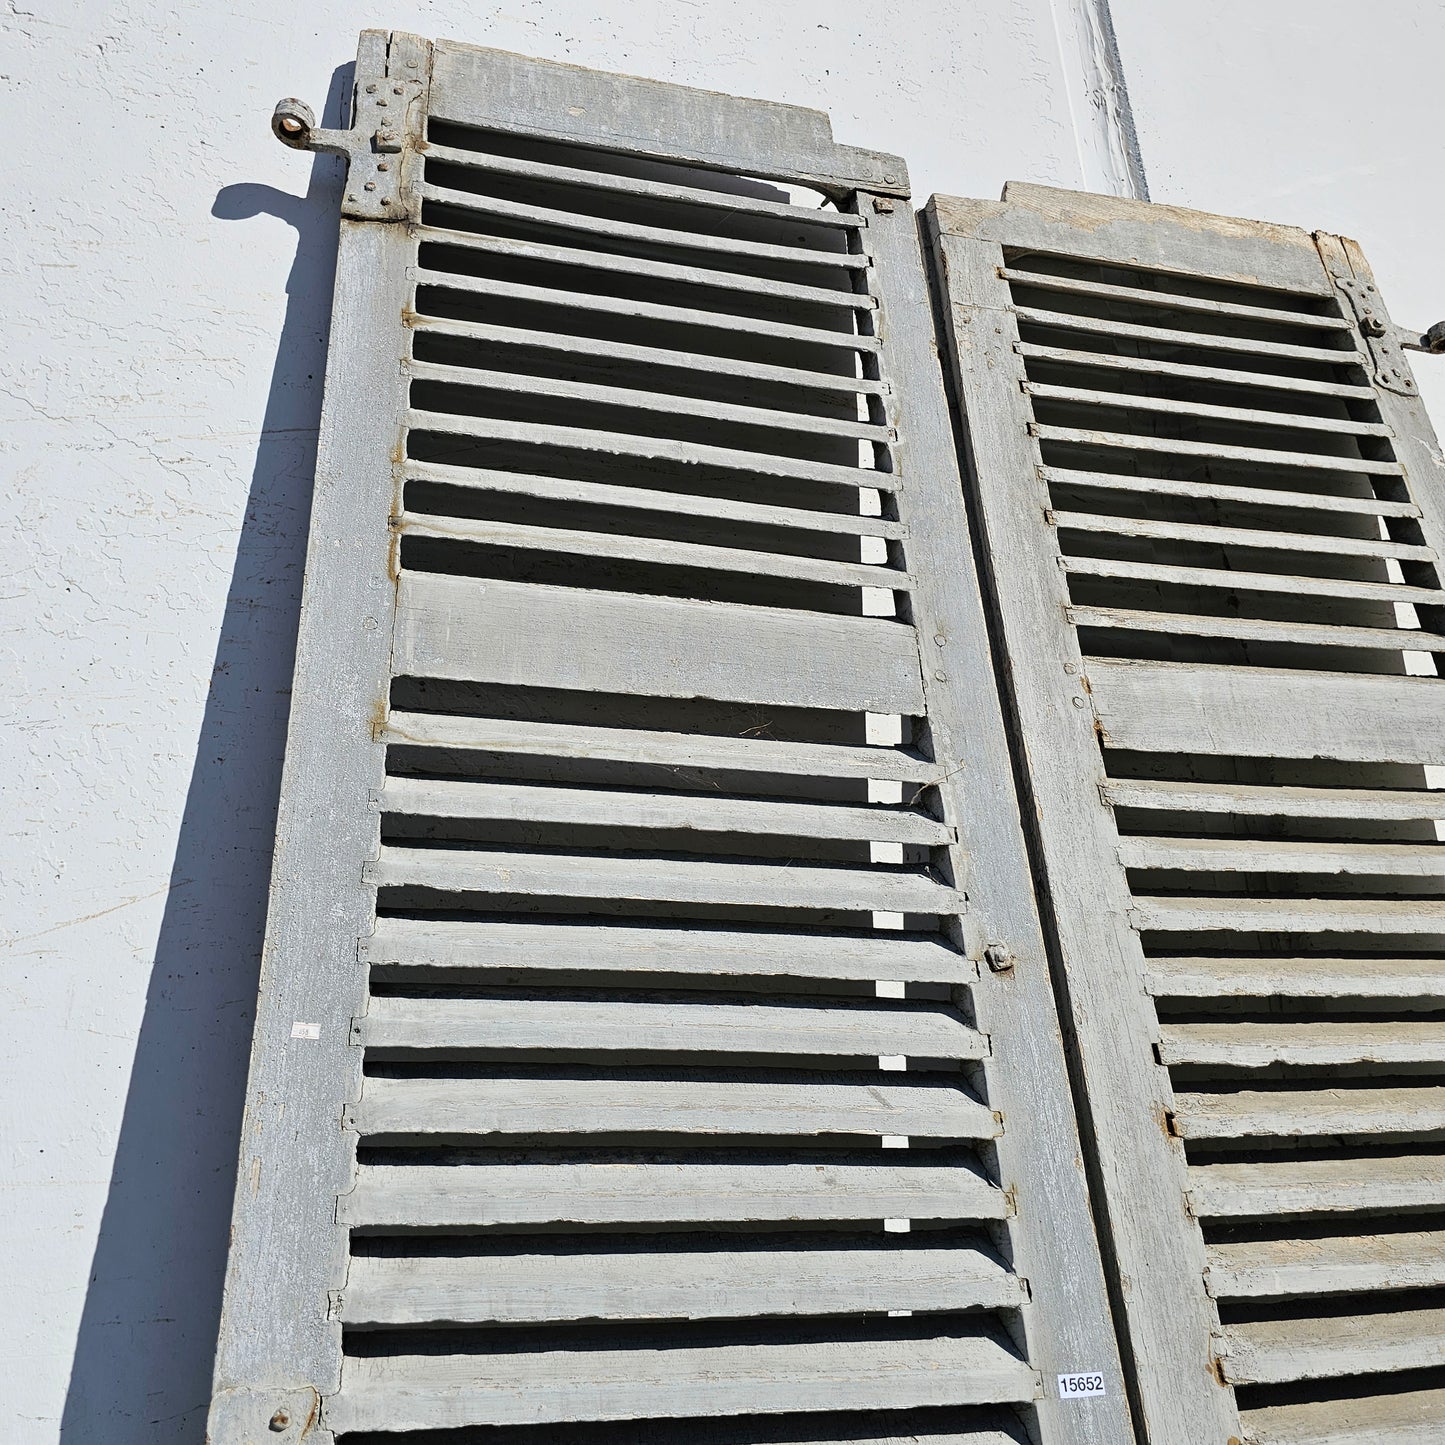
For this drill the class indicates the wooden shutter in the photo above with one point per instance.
(1212, 509)
(624, 1066)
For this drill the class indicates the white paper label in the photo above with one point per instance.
(305, 1031)
(1088, 1385)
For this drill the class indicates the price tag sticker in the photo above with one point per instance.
(1087, 1385)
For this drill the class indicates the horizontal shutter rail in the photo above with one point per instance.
(630, 444)
(536, 949)
(656, 646)
(1171, 300)
(477, 1108)
(1260, 800)
(683, 316)
(1263, 1269)
(631, 398)
(1257, 581)
(658, 356)
(496, 206)
(1296, 915)
(654, 550)
(479, 1196)
(1262, 1045)
(1255, 381)
(632, 186)
(1279, 1351)
(1251, 629)
(1371, 1184)
(1170, 336)
(496, 1024)
(1227, 492)
(658, 1284)
(1307, 977)
(707, 812)
(670, 750)
(1174, 406)
(1305, 1113)
(1264, 538)
(450, 1391)
(1353, 1422)
(647, 268)
(829, 889)
(1218, 451)
(1424, 860)
(604, 494)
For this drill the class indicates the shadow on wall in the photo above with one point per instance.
(142, 1368)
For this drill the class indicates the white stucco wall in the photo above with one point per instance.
(166, 288)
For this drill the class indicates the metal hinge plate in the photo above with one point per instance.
(388, 119)
(1382, 336)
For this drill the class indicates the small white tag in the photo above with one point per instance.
(893, 1061)
(898, 1226)
(305, 1031)
(895, 1141)
(1088, 1385)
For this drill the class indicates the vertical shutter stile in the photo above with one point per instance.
(624, 1067)
(1211, 509)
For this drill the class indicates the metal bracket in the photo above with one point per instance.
(1385, 340)
(388, 117)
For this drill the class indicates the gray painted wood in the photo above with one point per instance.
(276, 1337)
(524, 633)
(758, 885)
(628, 808)
(1215, 451)
(1258, 1045)
(431, 1024)
(1170, 336)
(1264, 977)
(592, 225)
(1256, 581)
(652, 550)
(540, 948)
(1164, 299)
(635, 445)
(413, 1108)
(689, 751)
(1311, 1113)
(1169, 239)
(1167, 1318)
(494, 90)
(1257, 800)
(1298, 634)
(1055, 1245)
(1266, 855)
(478, 1196)
(1189, 371)
(1312, 915)
(728, 201)
(1209, 411)
(1405, 1418)
(1272, 1352)
(651, 269)
(1265, 538)
(447, 1391)
(1373, 1184)
(1223, 492)
(1261, 712)
(1347, 1264)
(660, 1285)
(683, 504)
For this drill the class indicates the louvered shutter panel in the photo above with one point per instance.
(624, 1066)
(1212, 511)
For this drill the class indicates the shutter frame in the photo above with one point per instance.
(301, 1190)
(1070, 708)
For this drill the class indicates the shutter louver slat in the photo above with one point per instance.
(1238, 661)
(658, 1087)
